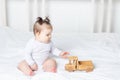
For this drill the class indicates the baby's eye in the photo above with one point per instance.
(47, 35)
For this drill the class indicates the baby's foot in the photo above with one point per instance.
(31, 73)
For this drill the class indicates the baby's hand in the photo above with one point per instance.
(64, 54)
(34, 67)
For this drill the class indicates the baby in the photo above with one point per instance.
(39, 48)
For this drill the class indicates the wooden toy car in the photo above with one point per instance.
(74, 65)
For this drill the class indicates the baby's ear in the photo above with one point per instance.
(37, 33)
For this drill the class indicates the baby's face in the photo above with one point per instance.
(45, 35)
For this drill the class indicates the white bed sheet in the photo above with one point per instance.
(102, 49)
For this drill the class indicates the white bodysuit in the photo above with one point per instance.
(37, 52)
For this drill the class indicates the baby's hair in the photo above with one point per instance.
(39, 22)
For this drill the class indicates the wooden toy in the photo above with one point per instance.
(74, 65)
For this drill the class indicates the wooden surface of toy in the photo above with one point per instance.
(74, 65)
(85, 66)
(71, 66)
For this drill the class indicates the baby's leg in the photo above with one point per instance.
(24, 67)
(50, 65)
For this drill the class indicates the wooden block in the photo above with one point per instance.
(70, 67)
(85, 66)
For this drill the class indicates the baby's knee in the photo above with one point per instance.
(50, 62)
(50, 65)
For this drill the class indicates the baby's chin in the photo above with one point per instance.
(47, 41)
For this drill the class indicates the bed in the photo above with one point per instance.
(102, 48)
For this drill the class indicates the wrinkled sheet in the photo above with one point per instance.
(103, 49)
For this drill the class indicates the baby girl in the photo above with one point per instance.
(39, 48)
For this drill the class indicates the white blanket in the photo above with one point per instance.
(102, 49)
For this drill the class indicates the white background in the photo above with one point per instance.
(67, 16)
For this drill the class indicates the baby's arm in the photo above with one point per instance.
(54, 50)
(64, 54)
(29, 58)
(28, 53)
(58, 52)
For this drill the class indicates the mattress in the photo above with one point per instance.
(103, 49)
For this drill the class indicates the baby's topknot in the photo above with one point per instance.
(41, 21)
(47, 20)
